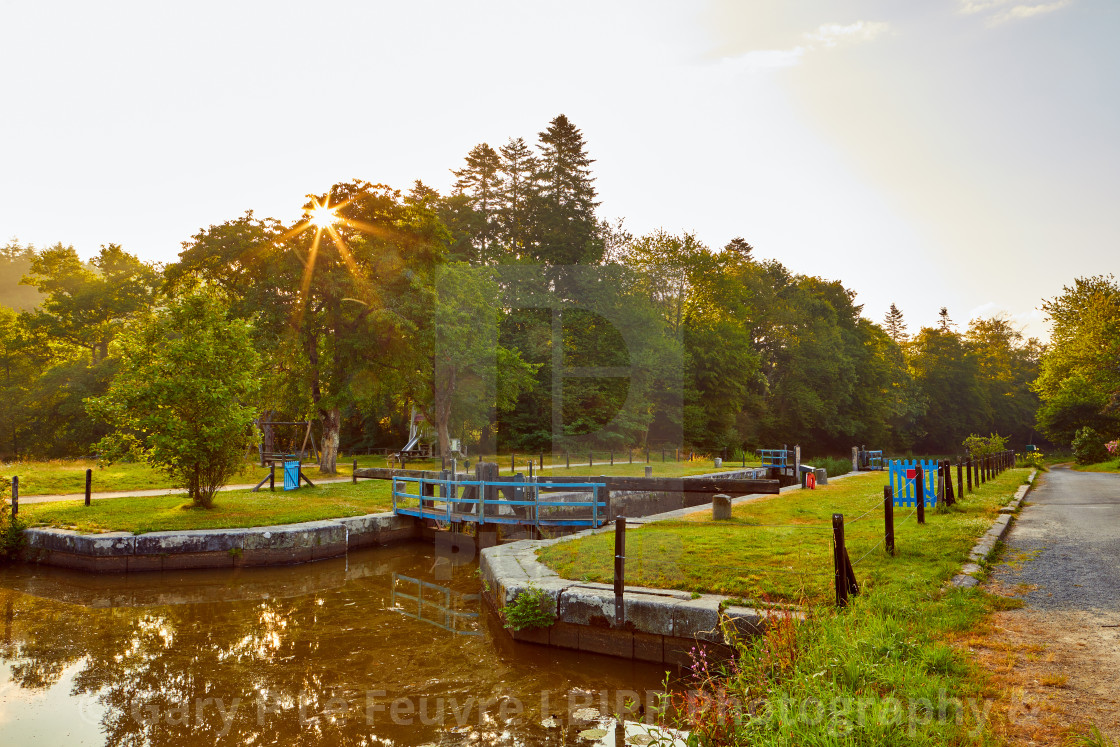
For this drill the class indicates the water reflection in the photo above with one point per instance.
(437, 605)
(364, 651)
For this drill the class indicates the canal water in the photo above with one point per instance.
(385, 647)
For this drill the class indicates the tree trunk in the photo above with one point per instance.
(332, 424)
(444, 438)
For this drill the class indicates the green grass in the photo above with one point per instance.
(240, 508)
(1112, 465)
(66, 476)
(853, 675)
(779, 548)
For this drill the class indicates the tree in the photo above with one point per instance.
(184, 399)
(948, 381)
(519, 173)
(944, 323)
(1078, 381)
(472, 373)
(564, 201)
(1007, 365)
(480, 182)
(895, 325)
(86, 306)
(15, 262)
(344, 298)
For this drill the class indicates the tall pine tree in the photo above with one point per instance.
(895, 325)
(519, 169)
(480, 182)
(565, 226)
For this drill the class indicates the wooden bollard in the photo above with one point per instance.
(542, 460)
(888, 518)
(15, 496)
(968, 473)
(619, 570)
(840, 560)
(513, 462)
(630, 453)
(272, 477)
(89, 484)
(950, 498)
(354, 470)
(591, 459)
(721, 507)
(567, 460)
(920, 493)
(612, 457)
(960, 479)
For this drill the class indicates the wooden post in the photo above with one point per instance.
(513, 462)
(591, 459)
(920, 492)
(89, 484)
(630, 453)
(647, 455)
(567, 460)
(676, 455)
(968, 473)
(354, 471)
(612, 457)
(15, 495)
(840, 560)
(542, 460)
(855, 459)
(619, 570)
(950, 496)
(797, 465)
(960, 479)
(272, 477)
(888, 518)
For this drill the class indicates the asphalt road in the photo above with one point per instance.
(1065, 545)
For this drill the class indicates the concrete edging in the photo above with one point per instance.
(970, 572)
(661, 625)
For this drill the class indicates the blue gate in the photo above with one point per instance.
(291, 475)
(903, 475)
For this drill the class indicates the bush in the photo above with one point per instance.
(531, 608)
(979, 446)
(1089, 447)
(11, 534)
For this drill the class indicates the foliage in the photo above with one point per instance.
(12, 539)
(1078, 381)
(184, 399)
(1089, 446)
(979, 446)
(531, 608)
(1033, 460)
(832, 466)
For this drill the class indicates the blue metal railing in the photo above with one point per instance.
(774, 457)
(465, 500)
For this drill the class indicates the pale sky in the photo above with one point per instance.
(946, 152)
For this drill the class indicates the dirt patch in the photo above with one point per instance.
(1054, 674)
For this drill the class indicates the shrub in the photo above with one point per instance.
(1089, 447)
(979, 446)
(11, 534)
(532, 608)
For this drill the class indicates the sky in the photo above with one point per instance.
(958, 153)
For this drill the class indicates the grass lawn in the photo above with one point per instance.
(240, 508)
(63, 476)
(1112, 465)
(883, 666)
(751, 559)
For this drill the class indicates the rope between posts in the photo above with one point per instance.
(873, 549)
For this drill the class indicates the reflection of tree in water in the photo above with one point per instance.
(172, 662)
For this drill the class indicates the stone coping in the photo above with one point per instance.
(213, 548)
(972, 570)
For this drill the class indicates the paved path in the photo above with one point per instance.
(1066, 543)
(26, 499)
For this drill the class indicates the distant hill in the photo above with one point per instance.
(15, 261)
